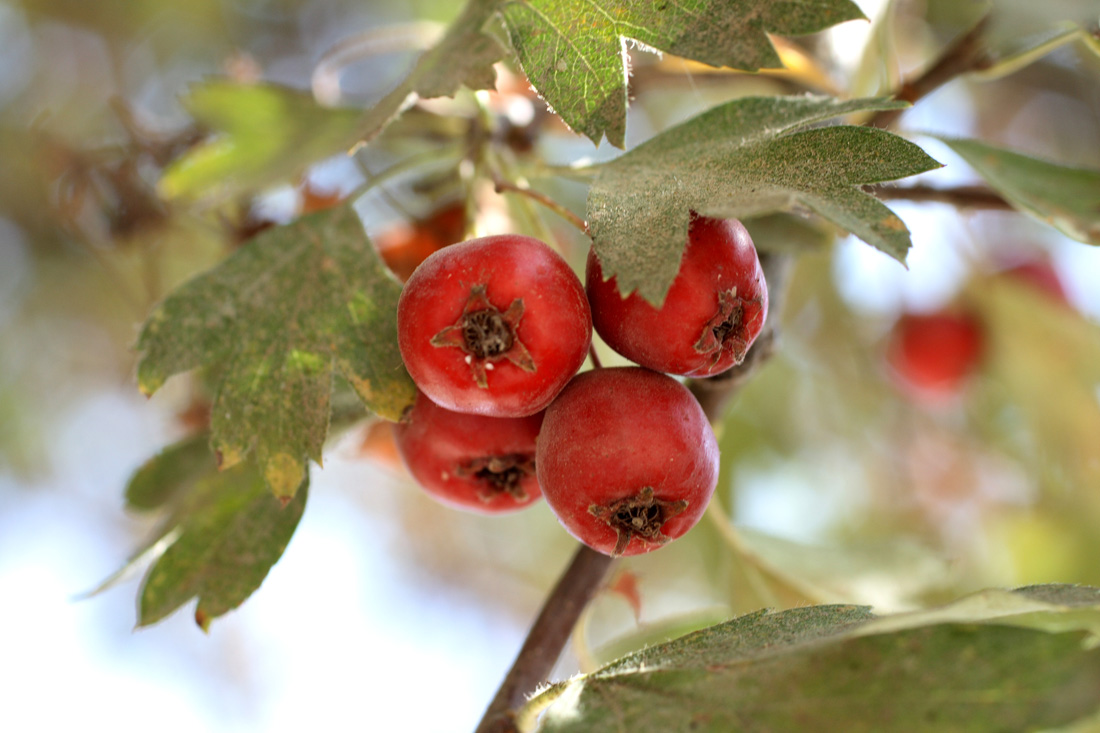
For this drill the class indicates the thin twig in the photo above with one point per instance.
(546, 638)
(967, 53)
(546, 201)
(963, 197)
(594, 356)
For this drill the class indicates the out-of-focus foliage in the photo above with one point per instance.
(1065, 197)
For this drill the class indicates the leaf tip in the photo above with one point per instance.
(283, 474)
(202, 620)
(226, 456)
(148, 381)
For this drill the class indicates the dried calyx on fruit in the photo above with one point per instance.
(626, 459)
(487, 336)
(712, 313)
(494, 326)
(481, 464)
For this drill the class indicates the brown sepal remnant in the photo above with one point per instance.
(642, 516)
(500, 474)
(487, 336)
(724, 326)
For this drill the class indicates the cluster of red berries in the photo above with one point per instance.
(493, 332)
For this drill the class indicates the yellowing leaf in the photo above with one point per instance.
(278, 318)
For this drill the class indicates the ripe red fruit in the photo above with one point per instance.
(933, 354)
(493, 326)
(713, 312)
(481, 464)
(626, 459)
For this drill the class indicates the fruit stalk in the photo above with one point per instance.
(547, 637)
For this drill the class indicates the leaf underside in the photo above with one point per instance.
(278, 318)
(746, 158)
(998, 660)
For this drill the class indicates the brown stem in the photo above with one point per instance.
(546, 201)
(967, 53)
(546, 638)
(964, 197)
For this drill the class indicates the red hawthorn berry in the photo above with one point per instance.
(713, 312)
(933, 354)
(481, 464)
(494, 326)
(626, 459)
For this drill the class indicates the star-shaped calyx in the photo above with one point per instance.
(500, 475)
(642, 516)
(487, 336)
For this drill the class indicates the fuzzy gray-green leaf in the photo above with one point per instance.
(746, 158)
(996, 660)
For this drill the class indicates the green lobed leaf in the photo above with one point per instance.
(1064, 197)
(574, 51)
(166, 481)
(265, 134)
(997, 660)
(230, 532)
(167, 474)
(746, 158)
(279, 317)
